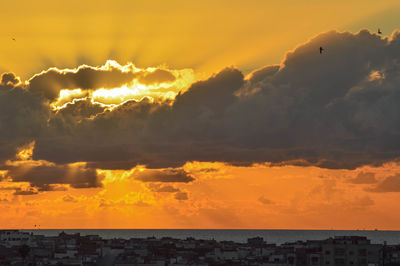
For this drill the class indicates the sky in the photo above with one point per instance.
(207, 114)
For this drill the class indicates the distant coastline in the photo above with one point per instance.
(277, 236)
(89, 249)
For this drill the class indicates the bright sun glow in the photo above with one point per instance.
(67, 96)
(116, 95)
(136, 89)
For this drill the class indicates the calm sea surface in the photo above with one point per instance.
(271, 236)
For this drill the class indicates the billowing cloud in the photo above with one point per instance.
(9, 79)
(318, 109)
(111, 80)
(52, 81)
(78, 110)
(154, 134)
(23, 116)
(338, 109)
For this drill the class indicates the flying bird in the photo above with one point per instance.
(379, 31)
(321, 49)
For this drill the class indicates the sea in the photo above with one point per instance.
(240, 236)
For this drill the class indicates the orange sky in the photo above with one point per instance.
(228, 197)
(147, 41)
(222, 196)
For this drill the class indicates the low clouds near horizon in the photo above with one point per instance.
(336, 110)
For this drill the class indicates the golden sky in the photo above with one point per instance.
(199, 114)
(203, 35)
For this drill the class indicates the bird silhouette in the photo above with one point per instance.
(379, 31)
(14, 39)
(321, 49)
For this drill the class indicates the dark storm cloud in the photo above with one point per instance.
(78, 110)
(165, 175)
(106, 140)
(324, 108)
(23, 116)
(338, 109)
(155, 134)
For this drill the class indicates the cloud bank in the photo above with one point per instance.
(337, 110)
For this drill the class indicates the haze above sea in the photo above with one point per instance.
(241, 236)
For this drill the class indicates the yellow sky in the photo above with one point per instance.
(203, 35)
(192, 39)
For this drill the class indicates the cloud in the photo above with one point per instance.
(28, 192)
(337, 110)
(389, 184)
(44, 176)
(77, 111)
(9, 79)
(364, 178)
(209, 170)
(104, 81)
(165, 175)
(53, 187)
(317, 109)
(52, 81)
(181, 196)
(23, 116)
(155, 134)
(265, 201)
